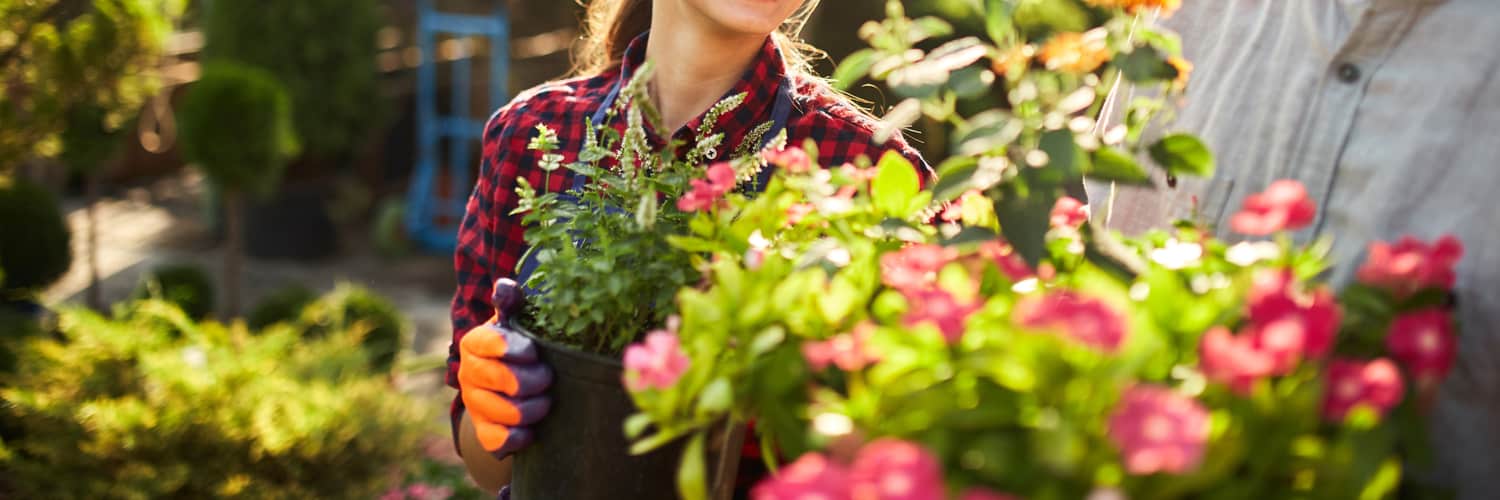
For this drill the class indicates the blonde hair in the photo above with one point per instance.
(610, 25)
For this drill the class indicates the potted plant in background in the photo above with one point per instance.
(325, 56)
(600, 273)
(236, 127)
(895, 357)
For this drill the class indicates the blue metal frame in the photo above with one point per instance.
(423, 204)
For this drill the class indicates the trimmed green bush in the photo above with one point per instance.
(236, 126)
(281, 306)
(35, 248)
(123, 408)
(188, 287)
(350, 307)
(323, 51)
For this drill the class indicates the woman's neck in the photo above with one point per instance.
(695, 62)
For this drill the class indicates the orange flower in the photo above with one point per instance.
(1012, 62)
(1184, 71)
(1138, 6)
(1076, 52)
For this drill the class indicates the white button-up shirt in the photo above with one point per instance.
(1389, 112)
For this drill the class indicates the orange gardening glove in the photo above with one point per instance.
(500, 379)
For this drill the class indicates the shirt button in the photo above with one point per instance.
(1348, 73)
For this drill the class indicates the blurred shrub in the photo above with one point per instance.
(323, 51)
(236, 126)
(186, 286)
(282, 306)
(121, 408)
(352, 308)
(34, 248)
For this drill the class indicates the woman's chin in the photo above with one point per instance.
(749, 17)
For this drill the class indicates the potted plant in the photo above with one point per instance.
(242, 156)
(600, 273)
(892, 348)
(326, 59)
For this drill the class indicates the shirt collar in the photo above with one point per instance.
(761, 82)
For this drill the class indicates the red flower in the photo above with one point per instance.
(846, 350)
(983, 494)
(891, 469)
(1349, 383)
(915, 266)
(811, 476)
(1233, 360)
(794, 160)
(1069, 212)
(706, 194)
(1423, 341)
(1005, 257)
(938, 307)
(1158, 430)
(1289, 324)
(1086, 320)
(1282, 206)
(1410, 265)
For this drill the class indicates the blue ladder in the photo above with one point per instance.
(425, 206)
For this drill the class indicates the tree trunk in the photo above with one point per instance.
(233, 251)
(91, 245)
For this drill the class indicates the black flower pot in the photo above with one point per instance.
(581, 452)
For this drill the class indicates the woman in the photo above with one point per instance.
(703, 50)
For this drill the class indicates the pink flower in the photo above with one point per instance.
(424, 491)
(794, 160)
(1069, 212)
(812, 476)
(706, 194)
(1423, 341)
(1086, 320)
(915, 266)
(1288, 323)
(656, 363)
(1282, 206)
(1158, 430)
(1409, 265)
(395, 493)
(1350, 383)
(940, 309)
(1011, 264)
(891, 469)
(858, 174)
(846, 350)
(1233, 360)
(983, 494)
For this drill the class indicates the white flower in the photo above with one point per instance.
(833, 424)
(758, 241)
(1246, 254)
(839, 257)
(1177, 255)
(194, 356)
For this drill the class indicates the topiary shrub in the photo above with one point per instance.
(349, 307)
(324, 52)
(186, 286)
(281, 306)
(35, 247)
(123, 408)
(236, 126)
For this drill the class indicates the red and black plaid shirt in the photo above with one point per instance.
(491, 241)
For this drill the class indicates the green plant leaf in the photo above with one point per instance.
(895, 185)
(636, 424)
(716, 397)
(1183, 154)
(692, 474)
(1114, 165)
(854, 68)
(1065, 159)
(997, 22)
(955, 176)
(1145, 64)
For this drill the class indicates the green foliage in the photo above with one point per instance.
(351, 308)
(89, 141)
(282, 306)
(59, 56)
(236, 126)
(324, 52)
(125, 408)
(34, 249)
(186, 286)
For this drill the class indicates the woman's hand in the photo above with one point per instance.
(502, 383)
